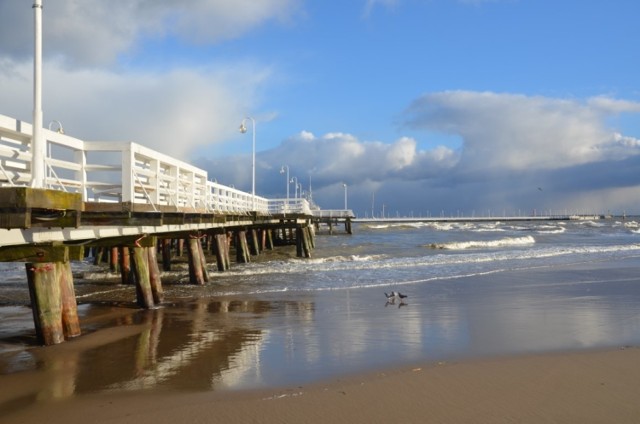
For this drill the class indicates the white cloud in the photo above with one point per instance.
(95, 32)
(517, 132)
(174, 112)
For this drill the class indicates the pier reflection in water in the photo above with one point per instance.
(199, 345)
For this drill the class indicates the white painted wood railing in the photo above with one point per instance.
(127, 173)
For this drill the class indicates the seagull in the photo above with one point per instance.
(395, 295)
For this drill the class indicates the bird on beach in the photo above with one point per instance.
(391, 297)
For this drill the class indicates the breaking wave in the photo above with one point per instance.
(504, 242)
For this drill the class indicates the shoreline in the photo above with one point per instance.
(592, 386)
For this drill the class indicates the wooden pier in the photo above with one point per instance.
(134, 203)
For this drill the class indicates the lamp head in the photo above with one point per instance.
(243, 128)
(282, 169)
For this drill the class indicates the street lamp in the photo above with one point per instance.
(38, 147)
(282, 172)
(295, 179)
(243, 129)
(345, 195)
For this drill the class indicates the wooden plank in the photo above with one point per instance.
(36, 253)
(27, 197)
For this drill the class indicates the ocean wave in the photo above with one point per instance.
(475, 244)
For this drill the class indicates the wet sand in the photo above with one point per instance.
(579, 387)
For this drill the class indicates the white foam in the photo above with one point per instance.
(476, 244)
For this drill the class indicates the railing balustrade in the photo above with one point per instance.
(125, 172)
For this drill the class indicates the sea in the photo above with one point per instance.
(473, 289)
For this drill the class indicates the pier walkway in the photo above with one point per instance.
(131, 202)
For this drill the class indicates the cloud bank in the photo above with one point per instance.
(519, 154)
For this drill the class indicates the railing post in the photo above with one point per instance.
(128, 191)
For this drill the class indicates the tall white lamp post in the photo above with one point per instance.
(38, 147)
(286, 205)
(345, 195)
(295, 179)
(243, 129)
(282, 172)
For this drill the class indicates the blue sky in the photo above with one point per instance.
(436, 106)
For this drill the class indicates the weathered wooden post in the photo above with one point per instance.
(195, 263)
(222, 253)
(166, 254)
(269, 234)
(126, 273)
(46, 302)
(255, 246)
(70, 321)
(306, 243)
(242, 250)
(203, 261)
(143, 284)
(299, 243)
(113, 259)
(154, 276)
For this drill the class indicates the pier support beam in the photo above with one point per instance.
(126, 273)
(222, 252)
(303, 246)
(166, 254)
(154, 276)
(144, 294)
(46, 302)
(196, 271)
(53, 301)
(70, 321)
(242, 250)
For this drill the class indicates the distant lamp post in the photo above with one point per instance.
(345, 195)
(282, 171)
(243, 129)
(295, 180)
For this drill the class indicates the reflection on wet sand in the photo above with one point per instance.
(200, 345)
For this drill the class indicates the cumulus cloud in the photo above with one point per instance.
(337, 158)
(174, 112)
(95, 32)
(517, 132)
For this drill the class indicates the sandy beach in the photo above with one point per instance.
(570, 387)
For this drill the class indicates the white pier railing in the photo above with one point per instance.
(125, 172)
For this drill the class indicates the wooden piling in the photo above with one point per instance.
(203, 262)
(143, 284)
(113, 259)
(269, 234)
(222, 253)
(70, 321)
(306, 243)
(166, 254)
(154, 276)
(126, 273)
(299, 243)
(46, 302)
(195, 263)
(255, 246)
(242, 250)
